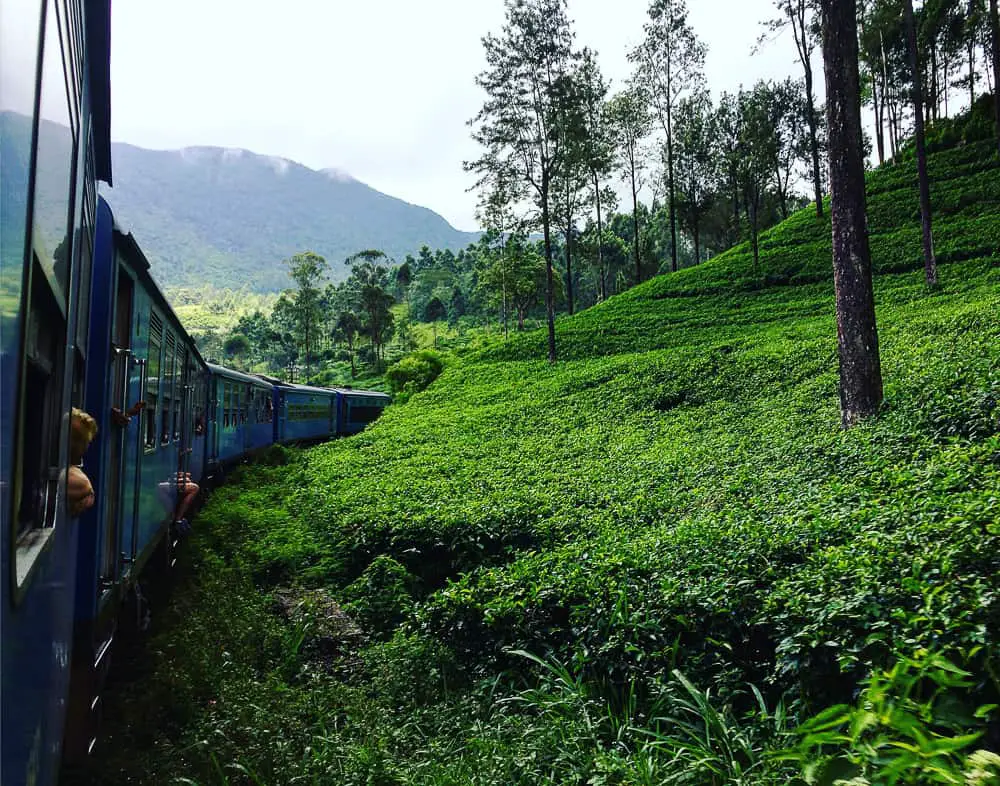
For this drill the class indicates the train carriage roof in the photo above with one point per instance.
(364, 393)
(251, 379)
(294, 388)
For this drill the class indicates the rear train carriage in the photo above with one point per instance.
(241, 414)
(357, 408)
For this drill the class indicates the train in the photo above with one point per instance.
(84, 325)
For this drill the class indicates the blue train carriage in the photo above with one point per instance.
(54, 147)
(241, 415)
(305, 414)
(357, 408)
(142, 462)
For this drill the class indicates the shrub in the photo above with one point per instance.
(414, 372)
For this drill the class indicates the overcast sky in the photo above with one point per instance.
(379, 88)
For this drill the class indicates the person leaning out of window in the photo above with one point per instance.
(79, 491)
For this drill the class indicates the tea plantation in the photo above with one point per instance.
(659, 560)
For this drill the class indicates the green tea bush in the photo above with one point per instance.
(381, 597)
(414, 372)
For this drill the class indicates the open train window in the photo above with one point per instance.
(41, 420)
(226, 404)
(153, 379)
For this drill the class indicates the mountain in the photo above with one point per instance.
(227, 218)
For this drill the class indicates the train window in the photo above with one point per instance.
(185, 379)
(85, 257)
(226, 401)
(56, 152)
(268, 408)
(199, 404)
(153, 378)
(169, 392)
(360, 413)
(41, 407)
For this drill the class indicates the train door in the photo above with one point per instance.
(121, 369)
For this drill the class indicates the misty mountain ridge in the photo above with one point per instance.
(228, 217)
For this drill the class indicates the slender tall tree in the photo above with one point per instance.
(369, 286)
(857, 334)
(497, 216)
(628, 113)
(599, 154)
(307, 270)
(798, 15)
(757, 151)
(916, 82)
(670, 62)
(526, 81)
(697, 161)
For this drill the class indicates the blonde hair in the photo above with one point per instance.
(82, 430)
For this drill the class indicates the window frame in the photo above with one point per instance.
(49, 339)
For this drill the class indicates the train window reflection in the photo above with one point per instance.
(56, 152)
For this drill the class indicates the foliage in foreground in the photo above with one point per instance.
(715, 583)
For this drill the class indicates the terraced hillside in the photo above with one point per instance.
(675, 493)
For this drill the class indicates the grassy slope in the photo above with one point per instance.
(676, 491)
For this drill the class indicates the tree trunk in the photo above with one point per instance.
(550, 298)
(972, 72)
(995, 35)
(697, 243)
(932, 76)
(930, 264)
(635, 229)
(782, 198)
(308, 369)
(813, 140)
(857, 334)
(670, 175)
(887, 99)
(602, 292)
(751, 210)
(879, 129)
(569, 263)
(736, 207)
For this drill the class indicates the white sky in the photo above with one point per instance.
(379, 88)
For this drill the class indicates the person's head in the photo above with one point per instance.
(82, 430)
